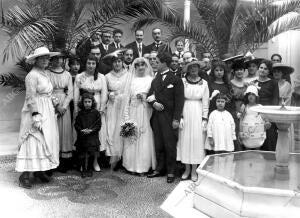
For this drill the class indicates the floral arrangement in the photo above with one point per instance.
(129, 129)
(54, 101)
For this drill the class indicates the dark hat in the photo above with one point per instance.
(238, 64)
(284, 68)
(256, 61)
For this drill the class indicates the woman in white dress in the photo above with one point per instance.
(39, 142)
(139, 154)
(92, 82)
(116, 80)
(190, 147)
(63, 90)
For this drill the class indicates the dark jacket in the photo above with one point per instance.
(163, 48)
(88, 119)
(134, 47)
(170, 93)
(112, 47)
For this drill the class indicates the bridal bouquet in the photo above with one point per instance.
(129, 129)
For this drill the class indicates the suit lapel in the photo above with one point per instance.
(158, 83)
(166, 81)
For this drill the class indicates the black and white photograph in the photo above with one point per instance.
(150, 108)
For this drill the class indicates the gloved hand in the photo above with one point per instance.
(37, 121)
(181, 123)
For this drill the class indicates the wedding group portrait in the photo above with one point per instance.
(150, 108)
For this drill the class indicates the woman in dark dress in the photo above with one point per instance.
(218, 81)
(268, 95)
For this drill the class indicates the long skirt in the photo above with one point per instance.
(38, 150)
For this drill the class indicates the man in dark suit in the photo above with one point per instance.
(128, 58)
(104, 50)
(104, 46)
(138, 47)
(101, 67)
(116, 44)
(166, 96)
(175, 68)
(158, 45)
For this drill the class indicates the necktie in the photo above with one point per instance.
(140, 48)
(106, 47)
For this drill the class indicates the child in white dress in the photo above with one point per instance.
(252, 126)
(220, 128)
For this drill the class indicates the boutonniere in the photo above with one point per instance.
(170, 86)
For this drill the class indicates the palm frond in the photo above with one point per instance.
(114, 12)
(26, 27)
(13, 81)
(265, 20)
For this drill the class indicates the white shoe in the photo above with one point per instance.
(194, 177)
(97, 167)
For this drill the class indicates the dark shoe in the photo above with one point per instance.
(83, 174)
(62, 168)
(42, 176)
(25, 181)
(142, 174)
(170, 179)
(154, 174)
(89, 173)
(49, 173)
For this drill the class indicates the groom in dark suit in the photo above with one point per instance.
(166, 96)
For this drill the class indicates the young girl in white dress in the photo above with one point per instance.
(190, 147)
(139, 154)
(252, 126)
(220, 128)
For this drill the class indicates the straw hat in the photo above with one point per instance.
(200, 64)
(232, 58)
(252, 89)
(41, 51)
(284, 68)
(111, 57)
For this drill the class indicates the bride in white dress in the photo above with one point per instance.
(139, 154)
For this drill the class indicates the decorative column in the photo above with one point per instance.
(187, 17)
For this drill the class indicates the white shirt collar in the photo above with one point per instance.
(164, 71)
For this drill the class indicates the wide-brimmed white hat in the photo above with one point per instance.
(41, 51)
(252, 89)
(283, 67)
(200, 64)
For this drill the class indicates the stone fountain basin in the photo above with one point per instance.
(245, 184)
(276, 114)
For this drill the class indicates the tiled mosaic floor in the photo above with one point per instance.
(68, 195)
